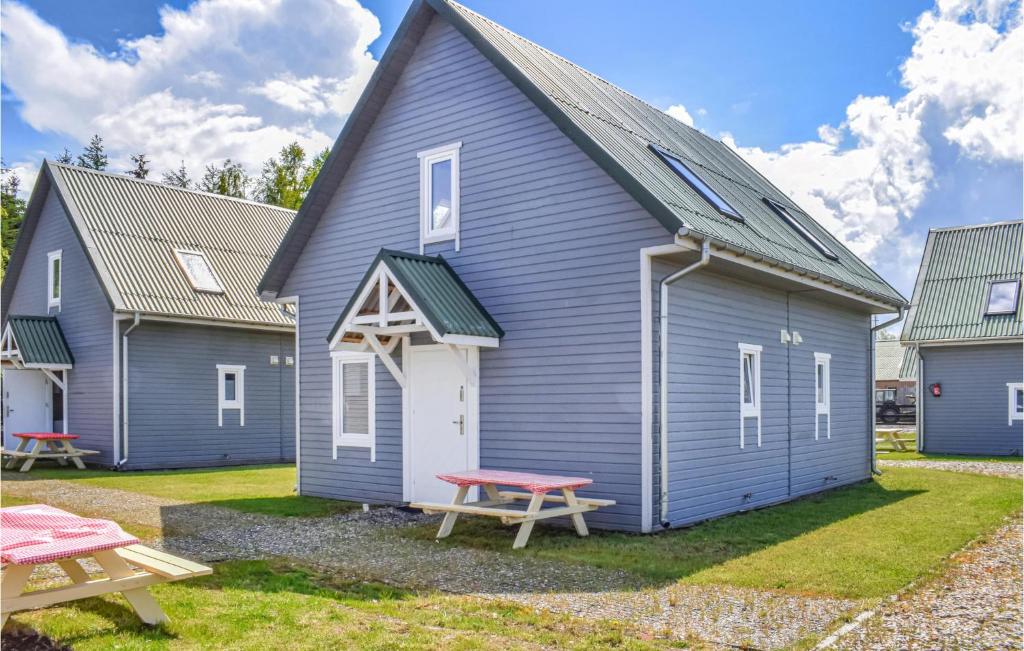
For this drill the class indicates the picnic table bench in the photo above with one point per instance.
(502, 504)
(48, 445)
(37, 534)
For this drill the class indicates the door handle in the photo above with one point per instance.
(461, 422)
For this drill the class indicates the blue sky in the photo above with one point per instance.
(901, 152)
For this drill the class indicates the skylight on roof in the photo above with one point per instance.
(198, 271)
(698, 184)
(1002, 297)
(815, 241)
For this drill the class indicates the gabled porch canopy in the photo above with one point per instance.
(37, 342)
(404, 293)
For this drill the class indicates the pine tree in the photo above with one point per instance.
(141, 169)
(65, 157)
(12, 212)
(229, 179)
(93, 155)
(178, 178)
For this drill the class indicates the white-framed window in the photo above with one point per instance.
(198, 271)
(1015, 401)
(1002, 297)
(439, 195)
(54, 269)
(750, 389)
(230, 391)
(822, 391)
(353, 401)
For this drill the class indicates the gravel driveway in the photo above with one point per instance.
(366, 546)
(997, 468)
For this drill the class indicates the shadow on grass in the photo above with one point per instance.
(668, 556)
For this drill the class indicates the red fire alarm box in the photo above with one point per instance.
(936, 389)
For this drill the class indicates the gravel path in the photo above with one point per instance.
(365, 546)
(998, 468)
(976, 605)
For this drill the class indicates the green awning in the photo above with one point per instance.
(36, 342)
(432, 289)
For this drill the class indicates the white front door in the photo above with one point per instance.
(27, 396)
(439, 429)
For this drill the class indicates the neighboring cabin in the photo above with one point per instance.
(478, 273)
(966, 325)
(895, 382)
(130, 318)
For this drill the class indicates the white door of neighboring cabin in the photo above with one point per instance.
(27, 396)
(439, 428)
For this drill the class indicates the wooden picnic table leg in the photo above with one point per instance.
(451, 516)
(13, 461)
(54, 447)
(145, 605)
(577, 518)
(13, 583)
(34, 454)
(75, 571)
(71, 450)
(527, 526)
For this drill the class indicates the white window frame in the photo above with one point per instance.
(823, 360)
(239, 401)
(988, 297)
(1011, 395)
(191, 281)
(750, 410)
(347, 439)
(51, 300)
(429, 235)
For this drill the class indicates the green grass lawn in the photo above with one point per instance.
(862, 541)
(257, 605)
(269, 490)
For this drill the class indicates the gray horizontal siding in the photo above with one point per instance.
(709, 474)
(86, 320)
(550, 246)
(970, 417)
(172, 406)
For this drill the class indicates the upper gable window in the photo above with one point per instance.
(783, 212)
(1002, 297)
(439, 195)
(54, 264)
(199, 272)
(698, 184)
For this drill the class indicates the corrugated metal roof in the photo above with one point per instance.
(908, 367)
(617, 130)
(625, 127)
(135, 227)
(889, 360)
(951, 294)
(444, 300)
(40, 340)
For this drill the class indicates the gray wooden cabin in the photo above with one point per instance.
(130, 318)
(478, 277)
(966, 325)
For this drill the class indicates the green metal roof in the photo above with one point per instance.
(951, 293)
(433, 286)
(618, 131)
(908, 367)
(40, 340)
(889, 361)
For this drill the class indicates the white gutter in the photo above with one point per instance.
(705, 258)
(124, 390)
(871, 383)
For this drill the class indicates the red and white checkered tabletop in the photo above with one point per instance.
(37, 533)
(46, 436)
(527, 480)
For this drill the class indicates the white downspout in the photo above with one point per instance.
(919, 418)
(705, 258)
(124, 390)
(871, 384)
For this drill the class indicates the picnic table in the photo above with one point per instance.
(503, 504)
(48, 445)
(37, 534)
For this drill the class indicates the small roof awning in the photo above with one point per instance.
(403, 293)
(35, 342)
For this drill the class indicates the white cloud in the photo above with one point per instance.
(225, 78)
(865, 178)
(679, 112)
